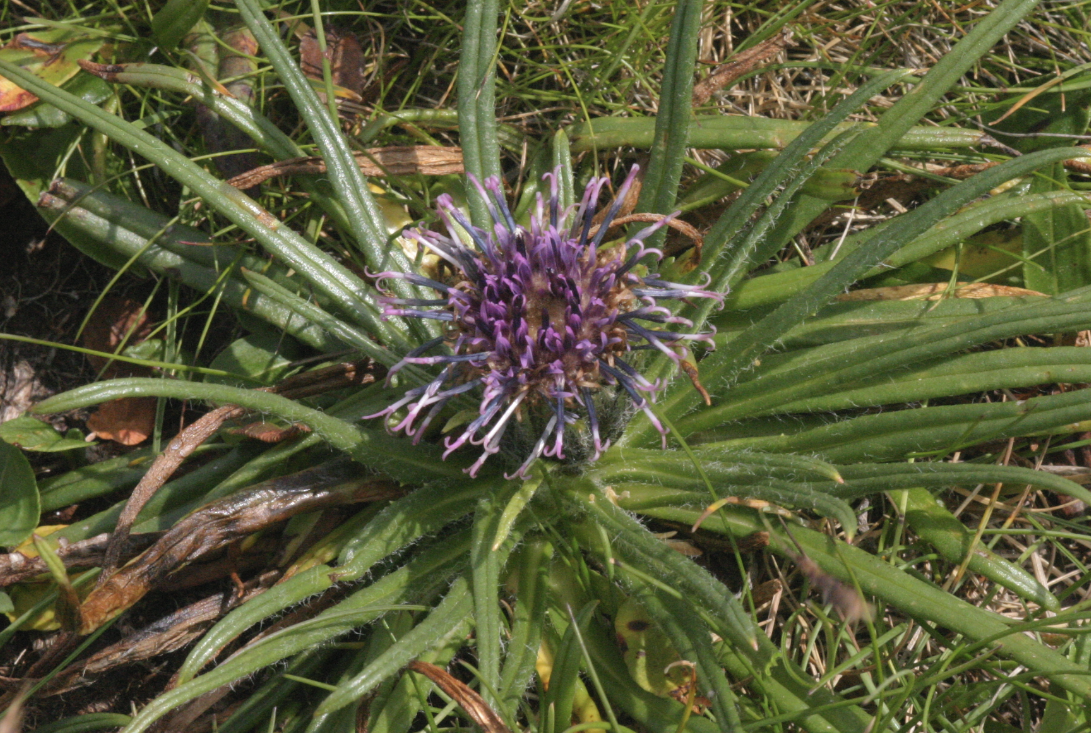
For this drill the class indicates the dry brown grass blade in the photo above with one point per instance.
(12, 721)
(164, 466)
(474, 705)
(428, 160)
(936, 291)
(690, 370)
(166, 635)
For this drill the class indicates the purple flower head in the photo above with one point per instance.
(539, 320)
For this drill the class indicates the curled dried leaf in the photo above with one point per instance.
(225, 521)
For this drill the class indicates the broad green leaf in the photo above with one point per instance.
(657, 714)
(34, 158)
(175, 19)
(32, 434)
(51, 55)
(647, 651)
(67, 608)
(261, 358)
(96, 479)
(19, 503)
(1057, 242)
(89, 88)
(935, 524)
(690, 636)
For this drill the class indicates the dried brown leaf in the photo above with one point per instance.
(128, 420)
(345, 56)
(270, 433)
(116, 322)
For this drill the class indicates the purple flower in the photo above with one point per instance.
(538, 320)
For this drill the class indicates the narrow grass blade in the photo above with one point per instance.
(933, 523)
(921, 600)
(668, 149)
(362, 213)
(477, 101)
(317, 268)
(906, 112)
(373, 447)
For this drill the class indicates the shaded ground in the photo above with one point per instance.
(46, 288)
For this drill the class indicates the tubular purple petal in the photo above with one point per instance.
(539, 317)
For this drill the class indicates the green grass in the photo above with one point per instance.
(844, 418)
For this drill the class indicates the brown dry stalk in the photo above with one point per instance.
(164, 466)
(687, 229)
(429, 160)
(962, 172)
(938, 291)
(474, 705)
(740, 64)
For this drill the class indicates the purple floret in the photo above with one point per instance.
(539, 319)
